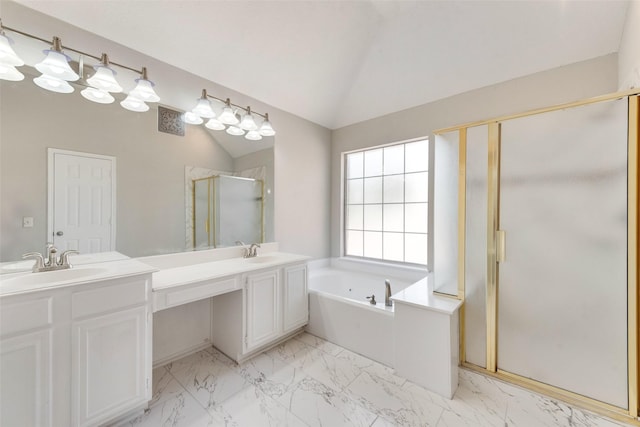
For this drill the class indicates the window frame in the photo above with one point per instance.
(344, 205)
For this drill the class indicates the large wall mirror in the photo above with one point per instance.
(153, 170)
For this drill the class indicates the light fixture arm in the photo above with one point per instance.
(228, 103)
(58, 46)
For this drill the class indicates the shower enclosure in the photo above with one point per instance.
(227, 209)
(546, 253)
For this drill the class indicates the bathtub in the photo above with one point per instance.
(340, 312)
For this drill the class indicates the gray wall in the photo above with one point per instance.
(570, 83)
(301, 153)
(629, 52)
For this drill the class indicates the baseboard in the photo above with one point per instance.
(180, 354)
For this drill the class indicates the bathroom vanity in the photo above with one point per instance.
(255, 302)
(79, 341)
(75, 345)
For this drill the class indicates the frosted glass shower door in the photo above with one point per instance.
(562, 290)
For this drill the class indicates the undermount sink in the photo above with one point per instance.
(29, 279)
(262, 259)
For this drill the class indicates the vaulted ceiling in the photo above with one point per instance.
(340, 62)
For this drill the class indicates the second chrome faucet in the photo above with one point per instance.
(249, 251)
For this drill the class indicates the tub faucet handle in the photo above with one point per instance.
(372, 299)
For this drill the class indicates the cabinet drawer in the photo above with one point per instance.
(166, 298)
(25, 315)
(111, 296)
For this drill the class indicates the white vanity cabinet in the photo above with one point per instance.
(76, 355)
(263, 309)
(295, 310)
(27, 361)
(272, 306)
(111, 349)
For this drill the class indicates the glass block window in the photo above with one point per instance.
(386, 203)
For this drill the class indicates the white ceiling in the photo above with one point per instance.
(340, 62)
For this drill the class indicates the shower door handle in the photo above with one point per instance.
(501, 245)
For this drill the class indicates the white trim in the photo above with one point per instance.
(389, 144)
(51, 152)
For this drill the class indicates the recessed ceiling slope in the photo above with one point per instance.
(340, 62)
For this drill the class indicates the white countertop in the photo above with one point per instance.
(22, 283)
(421, 295)
(179, 276)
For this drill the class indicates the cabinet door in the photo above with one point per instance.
(296, 301)
(25, 382)
(264, 319)
(109, 365)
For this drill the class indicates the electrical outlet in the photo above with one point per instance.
(27, 222)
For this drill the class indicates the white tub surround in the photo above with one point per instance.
(217, 297)
(340, 312)
(78, 342)
(426, 338)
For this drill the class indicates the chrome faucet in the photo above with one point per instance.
(50, 263)
(253, 250)
(249, 251)
(387, 293)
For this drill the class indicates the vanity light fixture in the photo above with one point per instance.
(144, 88)
(192, 118)
(228, 119)
(132, 103)
(57, 73)
(265, 128)
(9, 60)
(97, 95)
(253, 135)
(228, 116)
(215, 124)
(104, 78)
(235, 130)
(56, 63)
(247, 122)
(203, 107)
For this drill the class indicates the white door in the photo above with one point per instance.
(264, 321)
(296, 301)
(81, 201)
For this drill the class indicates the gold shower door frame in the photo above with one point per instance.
(494, 248)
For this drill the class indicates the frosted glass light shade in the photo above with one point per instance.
(144, 91)
(253, 135)
(203, 109)
(104, 79)
(235, 131)
(9, 72)
(97, 95)
(56, 64)
(228, 117)
(7, 54)
(266, 129)
(53, 84)
(192, 118)
(215, 124)
(132, 103)
(247, 122)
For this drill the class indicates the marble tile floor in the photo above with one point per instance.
(308, 381)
